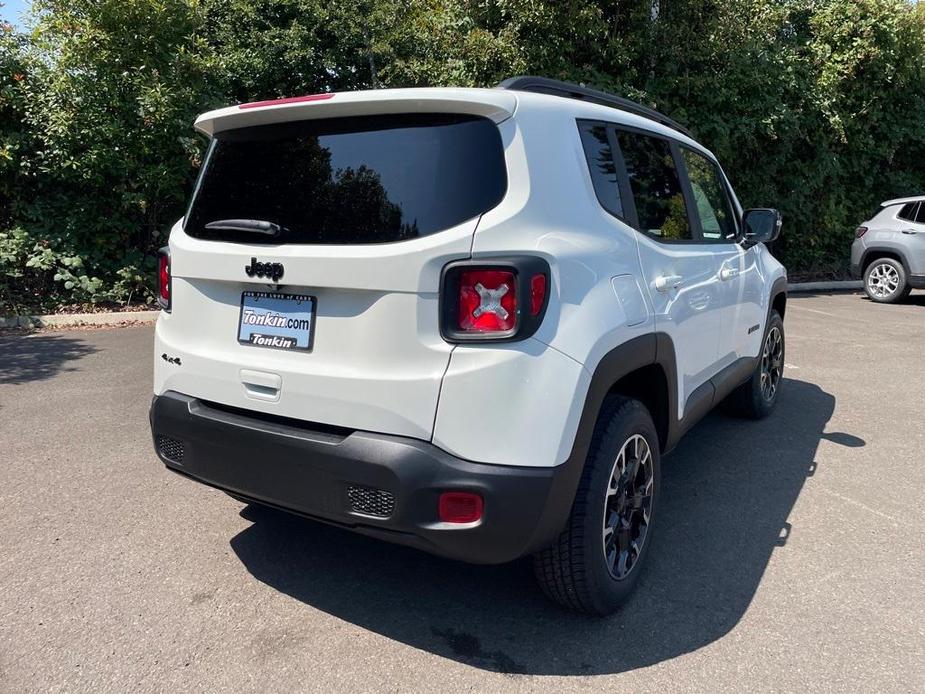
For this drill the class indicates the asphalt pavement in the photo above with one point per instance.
(790, 553)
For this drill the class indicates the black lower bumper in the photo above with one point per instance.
(379, 485)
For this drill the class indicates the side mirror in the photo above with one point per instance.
(761, 225)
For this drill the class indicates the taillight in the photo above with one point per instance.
(460, 507)
(537, 294)
(487, 301)
(492, 301)
(163, 279)
(860, 231)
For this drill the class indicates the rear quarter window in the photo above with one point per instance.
(373, 179)
(908, 211)
(601, 166)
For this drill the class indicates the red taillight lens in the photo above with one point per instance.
(487, 301)
(860, 231)
(537, 294)
(460, 507)
(494, 300)
(163, 280)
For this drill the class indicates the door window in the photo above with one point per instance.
(656, 186)
(714, 208)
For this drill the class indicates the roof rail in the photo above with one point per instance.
(544, 85)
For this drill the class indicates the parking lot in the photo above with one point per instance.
(790, 552)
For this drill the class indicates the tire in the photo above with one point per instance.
(885, 281)
(574, 571)
(755, 399)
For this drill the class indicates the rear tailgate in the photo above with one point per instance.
(376, 359)
(371, 211)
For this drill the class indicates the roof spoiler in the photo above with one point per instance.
(488, 103)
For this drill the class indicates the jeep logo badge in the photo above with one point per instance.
(274, 271)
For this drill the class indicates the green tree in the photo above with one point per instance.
(811, 105)
(107, 91)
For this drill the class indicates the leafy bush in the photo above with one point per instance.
(106, 92)
(812, 105)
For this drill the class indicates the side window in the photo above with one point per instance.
(601, 165)
(920, 214)
(908, 211)
(714, 208)
(656, 186)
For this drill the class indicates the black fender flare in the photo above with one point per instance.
(779, 287)
(883, 250)
(637, 353)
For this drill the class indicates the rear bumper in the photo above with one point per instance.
(378, 485)
(857, 254)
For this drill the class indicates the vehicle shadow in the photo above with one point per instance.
(917, 298)
(25, 358)
(727, 493)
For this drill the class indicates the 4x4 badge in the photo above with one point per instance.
(272, 270)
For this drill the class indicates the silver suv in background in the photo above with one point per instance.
(889, 250)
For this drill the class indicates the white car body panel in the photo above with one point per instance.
(532, 424)
(375, 338)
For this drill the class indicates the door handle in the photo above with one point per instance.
(728, 273)
(665, 282)
(910, 231)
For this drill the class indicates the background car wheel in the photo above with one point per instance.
(755, 399)
(596, 561)
(885, 281)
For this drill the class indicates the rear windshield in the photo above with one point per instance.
(371, 179)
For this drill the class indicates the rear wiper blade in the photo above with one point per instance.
(257, 226)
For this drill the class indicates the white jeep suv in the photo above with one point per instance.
(466, 320)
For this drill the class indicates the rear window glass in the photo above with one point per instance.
(372, 179)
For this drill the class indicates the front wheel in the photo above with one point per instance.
(596, 561)
(756, 397)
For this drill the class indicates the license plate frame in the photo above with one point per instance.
(272, 335)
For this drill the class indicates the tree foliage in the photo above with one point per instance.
(810, 104)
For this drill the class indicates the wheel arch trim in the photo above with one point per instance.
(871, 254)
(778, 289)
(623, 360)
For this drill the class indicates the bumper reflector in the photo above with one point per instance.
(459, 507)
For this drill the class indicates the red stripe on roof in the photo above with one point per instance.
(288, 100)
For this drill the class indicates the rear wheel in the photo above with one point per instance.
(596, 561)
(885, 281)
